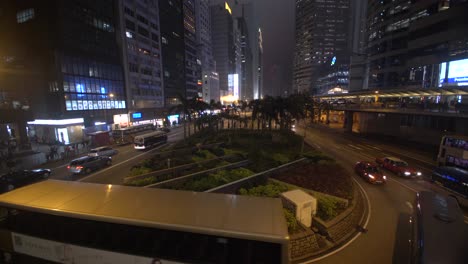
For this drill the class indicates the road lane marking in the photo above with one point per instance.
(374, 147)
(356, 147)
(404, 185)
(120, 163)
(352, 239)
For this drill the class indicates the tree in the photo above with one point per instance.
(183, 108)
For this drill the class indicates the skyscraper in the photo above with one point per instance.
(417, 44)
(246, 92)
(171, 18)
(66, 66)
(141, 50)
(210, 79)
(192, 62)
(222, 26)
(321, 35)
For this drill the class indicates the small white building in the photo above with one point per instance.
(302, 204)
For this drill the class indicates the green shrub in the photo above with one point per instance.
(328, 207)
(290, 220)
(315, 157)
(140, 170)
(142, 182)
(218, 152)
(272, 190)
(216, 179)
(201, 155)
(280, 158)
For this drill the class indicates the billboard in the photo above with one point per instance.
(457, 74)
(233, 86)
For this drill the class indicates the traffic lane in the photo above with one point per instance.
(387, 202)
(125, 152)
(116, 173)
(415, 184)
(62, 173)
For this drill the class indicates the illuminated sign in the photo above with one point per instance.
(136, 115)
(57, 122)
(227, 7)
(333, 61)
(233, 85)
(457, 73)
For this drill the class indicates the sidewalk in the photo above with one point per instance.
(40, 157)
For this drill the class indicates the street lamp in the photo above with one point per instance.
(111, 95)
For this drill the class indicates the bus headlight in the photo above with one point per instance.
(419, 174)
(407, 173)
(385, 177)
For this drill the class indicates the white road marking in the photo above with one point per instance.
(404, 185)
(120, 163)
(374, 147)
(356, 147)
(355, 237)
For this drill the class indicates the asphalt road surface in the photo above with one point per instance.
(387, 201)
(121, 163)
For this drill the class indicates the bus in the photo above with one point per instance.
(434, 232)
(150, 140)
(453, 151)
(452, 178)
(127, 134)
(75, 222)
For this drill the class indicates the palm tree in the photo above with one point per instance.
(183, 108)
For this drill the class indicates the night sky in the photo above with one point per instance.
(276, 18)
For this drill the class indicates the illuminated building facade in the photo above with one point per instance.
(417, 44)
(141, 50)
(321, 33)
(66, 62)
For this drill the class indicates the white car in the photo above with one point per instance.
(103, 151)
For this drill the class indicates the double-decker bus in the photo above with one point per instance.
(150, 140)
(453, 151)
(75, 222)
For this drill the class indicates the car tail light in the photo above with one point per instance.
(68, 167)
(79, 167)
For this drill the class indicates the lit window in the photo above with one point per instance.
(25, 15)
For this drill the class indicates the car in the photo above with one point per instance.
(87, 164)
(103, 151)
(370, 172)
(398, 166)
(15, 179)
(165, 129)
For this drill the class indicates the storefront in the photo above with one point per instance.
(65, 131)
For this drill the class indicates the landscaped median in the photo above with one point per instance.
(267, 164)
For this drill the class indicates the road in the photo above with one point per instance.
(121, 163)
(387, 201)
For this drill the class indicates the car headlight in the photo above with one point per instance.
(370, 176)
(407, 173)
(419, 174)
(384, 177)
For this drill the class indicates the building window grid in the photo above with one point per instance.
(25, 15)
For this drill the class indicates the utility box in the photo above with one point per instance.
(302, 204)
